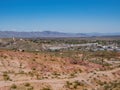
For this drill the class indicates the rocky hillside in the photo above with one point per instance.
(54, 71)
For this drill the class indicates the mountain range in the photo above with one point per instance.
(10, 34)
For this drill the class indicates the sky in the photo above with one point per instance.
(74, 16)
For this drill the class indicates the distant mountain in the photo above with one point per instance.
(10, 34)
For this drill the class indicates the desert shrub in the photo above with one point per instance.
(68, 84)
(34, 60)
(46, 88)
(30, 88)
(31, 74)
(13, 86)
(5, 76)
(73, 85)
(33, 68)
(27, 84)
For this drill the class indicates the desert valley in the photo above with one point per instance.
(30, 64)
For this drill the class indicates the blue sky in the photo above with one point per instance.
(81, 16)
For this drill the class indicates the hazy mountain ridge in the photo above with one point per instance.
(8, 34)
